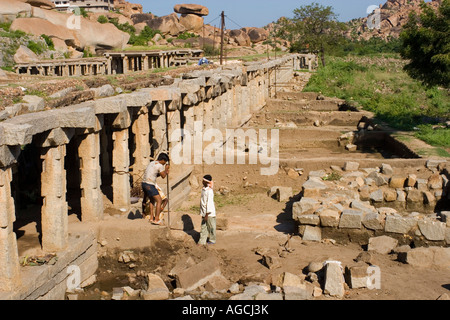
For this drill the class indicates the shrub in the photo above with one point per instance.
(102, 19)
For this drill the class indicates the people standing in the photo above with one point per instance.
(208, 212)
(160, 167)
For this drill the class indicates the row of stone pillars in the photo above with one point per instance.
(140, 62)
(82, 68)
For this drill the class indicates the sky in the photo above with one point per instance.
(259, 13)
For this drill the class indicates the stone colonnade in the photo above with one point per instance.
(112, 63)
(115, 137)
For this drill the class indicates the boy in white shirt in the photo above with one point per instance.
(208, 212)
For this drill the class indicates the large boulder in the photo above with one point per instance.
(11, 9)
(45, 4)
(85, 33)
(25, 55)
(166, 24)
(191, 9)
(241, 38)
(192, 22)
(39, 26)
(256, 34)
(126, 8)
(142, 18)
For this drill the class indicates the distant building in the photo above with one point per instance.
(88, 5)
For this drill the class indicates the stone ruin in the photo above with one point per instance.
(361, 204)
(90, 155)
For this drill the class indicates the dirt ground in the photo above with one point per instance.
(258, 221)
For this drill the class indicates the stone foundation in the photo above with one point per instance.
(362, 202)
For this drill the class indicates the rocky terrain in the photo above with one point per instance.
(393, 16)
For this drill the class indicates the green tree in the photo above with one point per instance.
(314, 28)
(426, 44)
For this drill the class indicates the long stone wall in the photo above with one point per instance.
(102, 147)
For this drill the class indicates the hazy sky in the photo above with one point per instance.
(258, 13)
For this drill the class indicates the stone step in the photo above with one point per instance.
(309, 118)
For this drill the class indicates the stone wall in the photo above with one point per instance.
(103, 146)
(357, 203)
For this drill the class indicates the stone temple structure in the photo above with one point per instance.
(80, 153)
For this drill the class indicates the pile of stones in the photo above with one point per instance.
(376, 200)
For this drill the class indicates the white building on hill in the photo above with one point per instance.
(88, 5)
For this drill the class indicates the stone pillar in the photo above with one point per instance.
(121, 164)
(53, 191)
(142, 152)
(90, 172)
(109, 66)
(145, 59)
(9, 256)
(125, 65)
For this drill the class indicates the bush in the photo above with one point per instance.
(186, 35)
(144, 37)
(48, 41)
(102, 19)
(36, 47)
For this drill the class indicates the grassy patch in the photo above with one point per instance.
(379, 84)
(435, 137)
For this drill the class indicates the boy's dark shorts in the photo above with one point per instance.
(149, 189)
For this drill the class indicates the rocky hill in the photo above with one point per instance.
(392, 16)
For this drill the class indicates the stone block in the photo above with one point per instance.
(432, 230)
(313, 187)
(435, 181)
(386, 169)
(373, 221)
(351, 219)
(390, 195)
(334, 279)
(283, 194)
(351, 166)
(377, 178)
(198, 275)
(356, 276)
(309, 219)
(382, 244)
(377, 196)
(329, 218)
(428, 257)
(411, 180)
(217, 283)
(310, 233)
(433, 164)
(399, 224)
(414, 195)
(304, 206)
(397, 182)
